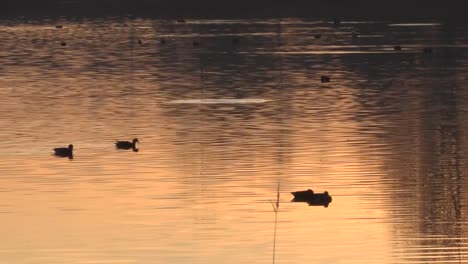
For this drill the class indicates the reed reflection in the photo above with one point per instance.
(441, 193)
(430, 178)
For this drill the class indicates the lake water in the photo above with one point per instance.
(225, 111)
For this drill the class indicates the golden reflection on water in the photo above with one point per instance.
(220, 126)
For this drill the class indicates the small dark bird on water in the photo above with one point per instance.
(59, 26)
(195, 43)
(64, 152)
(397, 48)
(324, 79)
(181, 20)
(127, 144)
(162, 41)
(317, 36)
(427, 50)
(140, 42)
(63, 43)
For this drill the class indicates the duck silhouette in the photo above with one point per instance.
(127, 144)
(427, 50)
(313, 199)
(64, 152)
(324, 78)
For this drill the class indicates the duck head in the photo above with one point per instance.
(70, 147)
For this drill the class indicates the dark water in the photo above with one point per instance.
(226, 110)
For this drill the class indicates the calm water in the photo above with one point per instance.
(221, 124)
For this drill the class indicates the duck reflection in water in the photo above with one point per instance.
(313, 199)
(64, 152)
(127, 144)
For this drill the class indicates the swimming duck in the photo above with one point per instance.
(324, 78)
(427, 50)
(64, 152)
(127, 144)
(313, 199)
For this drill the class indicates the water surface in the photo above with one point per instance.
(226, 110)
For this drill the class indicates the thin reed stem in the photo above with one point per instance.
(275, 208)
